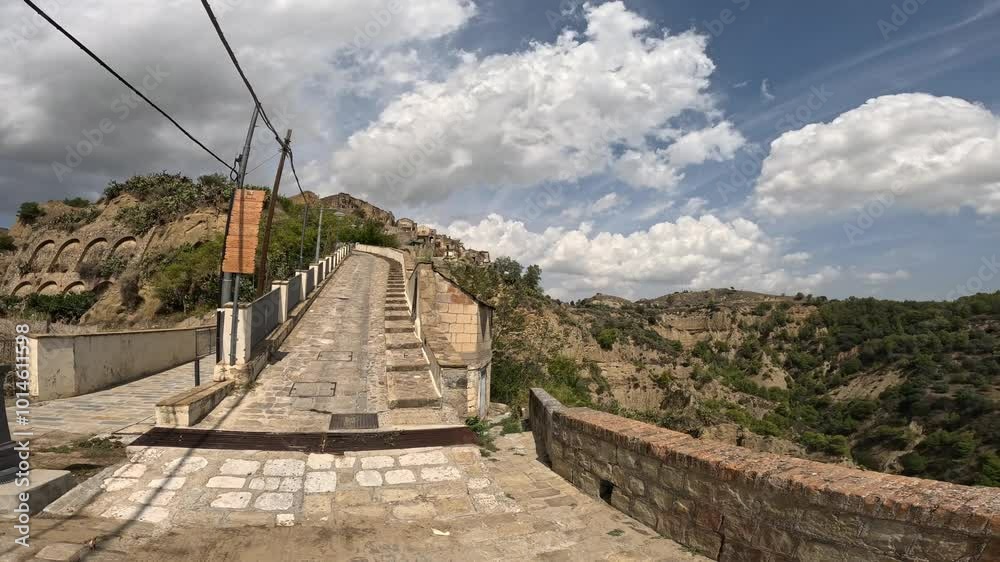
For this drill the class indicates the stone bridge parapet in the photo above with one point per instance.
(731, 503)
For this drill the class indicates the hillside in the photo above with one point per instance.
(146, 254)
(900, 387)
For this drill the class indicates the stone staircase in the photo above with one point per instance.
(408, 376)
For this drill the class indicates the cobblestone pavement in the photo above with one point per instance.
(415, 504)
(127, 408)
(329, 364)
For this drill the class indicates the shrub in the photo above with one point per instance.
(78, 202)
(29, 212)
(190, 277)
(76, 218)
(67, 307)
(128, 289)
(607, 337)
(7, 243)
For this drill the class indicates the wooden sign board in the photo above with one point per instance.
(244, 224)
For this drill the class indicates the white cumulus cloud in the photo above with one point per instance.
(687, 254)
(924, 152)
(601, 100)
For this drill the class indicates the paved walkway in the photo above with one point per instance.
(333, 361)
(417, 504)
(127, 408)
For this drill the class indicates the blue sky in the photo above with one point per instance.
(867, 132)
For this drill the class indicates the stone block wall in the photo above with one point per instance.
(730, 503)
(458, 316)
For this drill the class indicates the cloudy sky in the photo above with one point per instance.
(634, 148)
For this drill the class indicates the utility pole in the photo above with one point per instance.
(302, 239)
(319, 231)
(240, 178)
(227, 284)
(262, 279)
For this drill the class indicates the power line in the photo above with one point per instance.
(83, 47)
(269, 158)
(253, 94)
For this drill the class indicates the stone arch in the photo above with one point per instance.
(63, 260)
(101, 286)
(75, 287)
(22, 289)
(93, 250)
(124, 247)
(48, 288)
(41, 254)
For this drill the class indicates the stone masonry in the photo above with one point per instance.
(731, 503)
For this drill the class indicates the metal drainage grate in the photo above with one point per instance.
(354, 421)
(313, 389)
(335, 356)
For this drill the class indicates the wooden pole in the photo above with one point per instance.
(262, 278)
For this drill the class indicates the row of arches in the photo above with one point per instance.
(70, 254)
(52, 288)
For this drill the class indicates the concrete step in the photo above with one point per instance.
(396, 308)
(391, 318)
(405, 359)
(399, 329)
(412, 389)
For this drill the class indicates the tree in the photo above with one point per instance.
(30, 212)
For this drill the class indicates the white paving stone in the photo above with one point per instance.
(171, 483)
(131, 471)
(269, 483)
(403, 476)
(368, 463)
(274, 501)
(320, 482)
(239, 467)
(292, 484)
(285, 519)
(226, 482)
(134, 512)
(151, 497)
(232, 500)
(319, 461)
(368, 478)
(417, 459)
(184, 465)
(115, 484)
(440, 473)
(284, 467)
(478, 483)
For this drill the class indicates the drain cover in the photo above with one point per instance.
(354, 421)
(313, 389)
(335, 356)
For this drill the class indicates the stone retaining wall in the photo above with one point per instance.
(731, 503)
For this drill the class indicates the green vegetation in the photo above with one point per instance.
(67, 308)
(78, 202)
(7, 243)
(76, 218)
(165, 197)
(187, 279)
(29, 212)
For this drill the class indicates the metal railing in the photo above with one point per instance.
(206, 341)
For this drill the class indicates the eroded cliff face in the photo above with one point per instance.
(84, 249)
